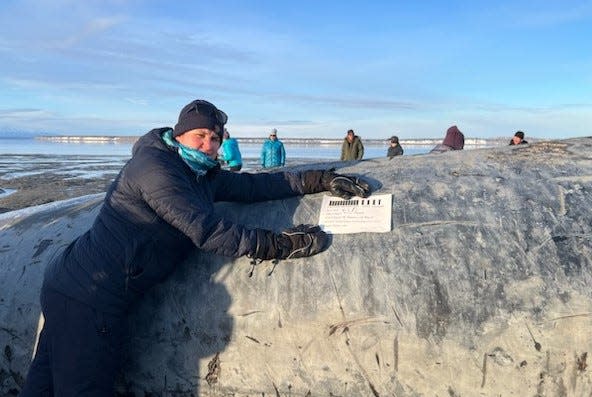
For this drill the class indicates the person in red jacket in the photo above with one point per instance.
(454, 140)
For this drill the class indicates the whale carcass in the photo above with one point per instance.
(482, 287)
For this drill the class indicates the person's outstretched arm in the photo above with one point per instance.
(247, 187)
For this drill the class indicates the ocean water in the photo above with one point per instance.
(249, 151)
(36, 146)
(90, 159)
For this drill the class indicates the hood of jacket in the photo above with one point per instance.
(152, 139)
(454, 138)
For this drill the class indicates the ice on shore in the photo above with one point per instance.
(6, 192)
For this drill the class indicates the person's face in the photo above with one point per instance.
(350, 137)
(394, 143)
(273, 137)
(516, 140)
(202, 139)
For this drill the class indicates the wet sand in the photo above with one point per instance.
(28, 180)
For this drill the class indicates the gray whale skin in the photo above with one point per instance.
(482, 287)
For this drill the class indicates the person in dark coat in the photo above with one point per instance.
(518, 139)
(158, 209)
(454, 140)
(394, 148)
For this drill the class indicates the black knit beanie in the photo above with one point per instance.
(200, 114)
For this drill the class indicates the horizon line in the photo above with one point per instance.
(257, 138)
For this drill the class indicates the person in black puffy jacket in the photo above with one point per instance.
(157, 210)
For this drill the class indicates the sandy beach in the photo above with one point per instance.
(27, 180)
(31, 179)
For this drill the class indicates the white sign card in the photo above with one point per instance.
(356, 215)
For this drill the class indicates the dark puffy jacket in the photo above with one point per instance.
(155, 212)
(394, 151)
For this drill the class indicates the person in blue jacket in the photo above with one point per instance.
(273, 153)
(230, 153)
(156, 212)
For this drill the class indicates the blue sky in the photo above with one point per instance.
(307, 68)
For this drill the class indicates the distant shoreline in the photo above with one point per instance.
(125, 139)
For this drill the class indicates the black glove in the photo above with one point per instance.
(296, 242)
(345, 186)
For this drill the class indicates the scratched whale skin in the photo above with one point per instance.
(481, 287)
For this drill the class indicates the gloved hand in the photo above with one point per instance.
(344, 186)
(295, 242)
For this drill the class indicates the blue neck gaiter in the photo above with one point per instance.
(198, 161)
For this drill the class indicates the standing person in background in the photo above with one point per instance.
(159, 209)
(454, 140)
(230, 153)
(273, 153)
(518, 139)
(352, 147)
(395, 148)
